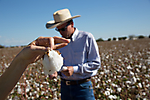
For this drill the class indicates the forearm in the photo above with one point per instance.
(11, 76)
(82, 71)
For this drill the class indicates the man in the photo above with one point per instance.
(81, 57)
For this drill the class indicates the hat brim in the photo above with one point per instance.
(53, 24)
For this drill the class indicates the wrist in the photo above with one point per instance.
(75, 69)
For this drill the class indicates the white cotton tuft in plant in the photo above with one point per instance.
(52, 62)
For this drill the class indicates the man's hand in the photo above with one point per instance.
(53, 75)
(51, 42)
(36, 49)
(68, 71)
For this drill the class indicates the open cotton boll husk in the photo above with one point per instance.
(52, 62)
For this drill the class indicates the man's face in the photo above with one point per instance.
(65, 30)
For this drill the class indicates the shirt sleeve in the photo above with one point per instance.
(92, 63)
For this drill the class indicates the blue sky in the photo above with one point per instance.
(22, 21)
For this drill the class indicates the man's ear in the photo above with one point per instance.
(72, 24)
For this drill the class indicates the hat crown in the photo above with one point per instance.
(61, 15)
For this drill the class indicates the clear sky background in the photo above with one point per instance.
(22, 21)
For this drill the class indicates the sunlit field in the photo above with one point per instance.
(124, 73)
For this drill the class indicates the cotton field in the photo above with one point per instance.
(124, 74)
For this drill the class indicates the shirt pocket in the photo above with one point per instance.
(78, 57)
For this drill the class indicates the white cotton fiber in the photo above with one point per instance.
(52, 62)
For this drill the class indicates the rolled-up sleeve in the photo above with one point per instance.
(92, 61)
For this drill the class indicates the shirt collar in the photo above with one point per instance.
(75, 34)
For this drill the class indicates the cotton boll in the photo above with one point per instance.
(107, 93)
(140, 85)
(19, 90)
(119, 89)
(52, 62)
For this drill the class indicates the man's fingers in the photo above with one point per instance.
(50, 42)
(58, 46)
(45, 41)
(61, 40)
(40, 49)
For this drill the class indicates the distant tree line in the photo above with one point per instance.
(130, 37)
(1, 46)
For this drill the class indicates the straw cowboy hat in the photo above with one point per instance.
(60, 17)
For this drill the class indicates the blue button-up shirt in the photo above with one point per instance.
(82, 53)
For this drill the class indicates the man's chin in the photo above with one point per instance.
(65, 37)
